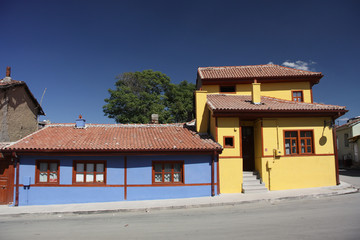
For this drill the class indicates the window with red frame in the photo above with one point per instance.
(297, 96)
(298, 142)
(168, 172)
(89, 172)
(47, 172)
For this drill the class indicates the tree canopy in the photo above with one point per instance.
(137, 95)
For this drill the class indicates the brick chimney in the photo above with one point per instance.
(7, 77)
(256, 92)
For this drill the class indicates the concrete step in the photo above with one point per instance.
(252, 183)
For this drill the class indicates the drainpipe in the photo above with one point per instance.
(212, 174)
(17, 160)
(336, 154)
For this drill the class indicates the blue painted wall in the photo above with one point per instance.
(197, 170)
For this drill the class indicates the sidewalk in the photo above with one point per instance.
(144, 206)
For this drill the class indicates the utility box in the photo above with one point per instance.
(277, 152)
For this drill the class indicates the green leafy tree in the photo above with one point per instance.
(139, 94)
(180, 101)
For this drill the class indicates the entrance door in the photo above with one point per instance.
(248, 148)
(4, 181)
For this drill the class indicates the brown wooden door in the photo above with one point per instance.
(5, 185)
(248, 148)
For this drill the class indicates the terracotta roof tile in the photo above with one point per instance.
(226, 102)
(253, 71)
(115, 137)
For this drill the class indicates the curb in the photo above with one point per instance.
(348, 190)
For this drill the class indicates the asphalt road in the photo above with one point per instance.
(335, 217)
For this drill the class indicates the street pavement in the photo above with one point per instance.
(221, 200)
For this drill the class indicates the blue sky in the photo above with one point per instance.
(75, 49)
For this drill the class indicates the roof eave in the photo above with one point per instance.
(278, 113)
(102, 152)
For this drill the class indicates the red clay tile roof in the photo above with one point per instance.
(254, 71)
(115, 138)
(242, 103)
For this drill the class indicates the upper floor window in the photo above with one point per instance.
(47, 172)
(227, 89)
(168, 172)
(297, 96)
(298, 142)
(346, 140)
(89, 172)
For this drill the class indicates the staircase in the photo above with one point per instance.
(252, 183)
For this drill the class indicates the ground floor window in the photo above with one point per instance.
(167, 172)
(299, 142)
(47, 172)
(89, 172)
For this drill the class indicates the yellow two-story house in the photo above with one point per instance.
(265, 119)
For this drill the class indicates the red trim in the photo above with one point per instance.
(91, 153)
(37, 172)
(169, 185)
(120, 185)
(240, 138)
(230, 156)
(216, 129)
(125, 177)
(298, 141)
(304, 155)
(228, 146)
(295, 99)
(262, 138)
(85, 162)
(212, 175)
(336, 157)
(182, 174)
(17, 181)
(218, 174)
(221, 81)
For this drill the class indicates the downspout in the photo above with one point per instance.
(17, 160)
(336, 154)
(212, 174)
(125, 177)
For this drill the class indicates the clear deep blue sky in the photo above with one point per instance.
(76, 48)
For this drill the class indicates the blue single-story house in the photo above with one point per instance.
(68, 163)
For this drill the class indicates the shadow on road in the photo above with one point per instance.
(350, 172)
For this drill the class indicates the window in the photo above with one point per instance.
(89, 172)
(47, 172)
(297, 96)
(346, 140)
(228, 142)
(227, 89)
(298, 142)
(168, 172)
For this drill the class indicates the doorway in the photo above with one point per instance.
(247, 146)
(5, 182)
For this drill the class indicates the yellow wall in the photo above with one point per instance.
(289, 172)
(213, 127)
(231, 175)
(201, 111)
(230, 161)
(229, 127)
(299, 172)
(276, 90)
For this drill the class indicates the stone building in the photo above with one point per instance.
(19, 110)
